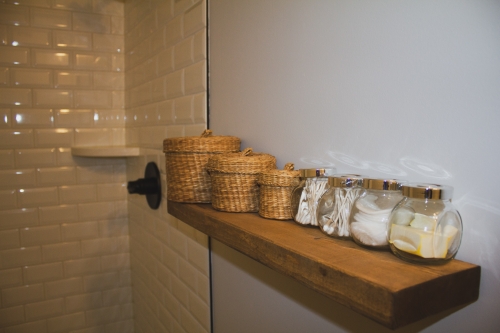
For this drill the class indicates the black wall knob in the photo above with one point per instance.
(150, 185)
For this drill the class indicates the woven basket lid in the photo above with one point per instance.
(245, 162)
(286, 177)
(206, 142)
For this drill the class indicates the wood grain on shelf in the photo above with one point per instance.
(374, 283)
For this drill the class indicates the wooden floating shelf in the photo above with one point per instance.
(106, 151)
(374, 283)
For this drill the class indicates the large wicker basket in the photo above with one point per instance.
(186, 158)
(275, 192)
(234, 179)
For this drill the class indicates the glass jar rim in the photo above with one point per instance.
(347, 180)
(383, 184)
(427, 191)
(316, 172)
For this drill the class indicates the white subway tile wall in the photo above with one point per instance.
(64, 241)
(169, 260)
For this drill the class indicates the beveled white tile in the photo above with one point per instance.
(200, 108)
(17, 178)
(174, 31)
(94, 174)
(65, 287)
(33, 3)
(200, 45)
(33, 118)
(117, 25)
(183, 110)
(3, 35)
(23, 77)
(9, 239)
(93, 137)
(115, 262)
(5, 118)
(11, 316)
(183, 53)
(14, 15)
(94, 211)
(118, 97)
(77, 194)
(27, 36)
(53, 98)
(22, 295)
(108, 43)
(51, 58)
(20, 138)
(74, 117)
(39, 326)
(58, 214)
(84, 302)
(4, 76)
(8, 199)
(56, 137)
(66, 323)
(6, 159)
(11, 277)
(109, 7)
(80, 230)
(118, 62)
(175, 86)
(34, 197)
(91, 22)
(17, 218)
(44, 309)
(35, 157)
(61, 251)
(72, 79)
(21, 257)
(72, 40)
(64, 157)
(50, 18)
(165, 113)
(113, 228)
(195, 18)
(81, 267)
(73, 5)
(93, 99)
(56, 176)
(93, 61)
(195, 78)
(151, 136)
(12, 97)
(103, 246)
(14, 56)
(109, 80)
(43, 272)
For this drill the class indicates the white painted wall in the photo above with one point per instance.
(406, 89)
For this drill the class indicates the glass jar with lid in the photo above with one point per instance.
(334, 206)
(371, 210)
(425, 227)
(304, 198)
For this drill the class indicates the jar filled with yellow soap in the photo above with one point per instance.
(425, 227)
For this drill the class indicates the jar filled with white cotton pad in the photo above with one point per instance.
(334, 206)
(304, 198)
(370, 212)
(425, 227)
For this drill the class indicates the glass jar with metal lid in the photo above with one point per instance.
(424, 227)
(370, 212)
(304, 198)
(334, 206)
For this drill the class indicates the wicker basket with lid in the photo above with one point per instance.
(234, 179)
(275, 191)
(186, 158)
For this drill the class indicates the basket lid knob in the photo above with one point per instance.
(206, 133)
(289, 166)
(247, 152)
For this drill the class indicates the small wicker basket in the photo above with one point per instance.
(275, 192)
(186, 158)
(234, 179)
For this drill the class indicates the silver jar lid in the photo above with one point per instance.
(347, 180)
(319, 172)
(427, 191)
(383, 184)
